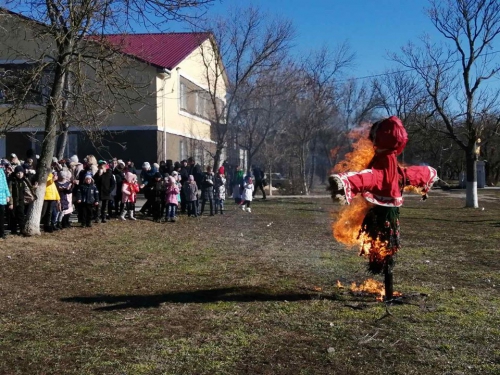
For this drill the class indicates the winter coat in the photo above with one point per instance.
(190, 191)
(119, 178)
(51, 193)
(207, 186)
(220, 187)
(4, 189)
(105, 183)
(87, 193)
(247, 191)
(65, 189)
(129, 192)
(171, 194)
(159, 189)
(17, 189)
(195, 170)
(184, 175)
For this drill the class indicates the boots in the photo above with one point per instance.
(249, 209)
(131, 215)
(122, 215)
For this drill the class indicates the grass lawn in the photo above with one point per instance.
(254, 294)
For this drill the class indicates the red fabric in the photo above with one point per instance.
(421, 177)
(380, 185)
(221, 170)
(391, 135)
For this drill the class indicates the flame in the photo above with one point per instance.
(374, 249)
(346, 227)
(413, 189)
(362, 153)
(371, 286)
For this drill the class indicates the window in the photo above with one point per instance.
(182, 150)
(70, 149)
(183, 97)
(23, 83)
(195, 100)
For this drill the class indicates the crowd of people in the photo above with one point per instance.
(98, 190)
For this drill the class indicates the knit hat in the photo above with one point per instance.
(13, 156)
(156, 165)
(121, 162)
(89, 175)
(73, 159)
(100, 162)
(175, 174)
(221, 170)
(191, 178)
(18, 168)
(146, 165)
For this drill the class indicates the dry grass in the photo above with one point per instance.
(253, 293)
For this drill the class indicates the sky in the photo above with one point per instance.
(371, 27)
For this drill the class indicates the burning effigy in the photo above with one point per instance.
(370, 182)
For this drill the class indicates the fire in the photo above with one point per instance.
(375, 249)
(361, 155)
(413, 189)
(369, 286)
(346, 227)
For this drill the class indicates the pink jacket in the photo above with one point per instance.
(171, 196)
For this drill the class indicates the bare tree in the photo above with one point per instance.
(263, 108)
(245, 43)
(315, 103)
(460, 95)
(71, 39)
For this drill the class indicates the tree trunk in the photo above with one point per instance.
(63, 141)
(217, 157)
(44, 165)
(313, 166)
(270, 181)
(64, 125)
(471, 187)
(303, 175)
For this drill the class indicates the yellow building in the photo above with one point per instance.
(173, 120)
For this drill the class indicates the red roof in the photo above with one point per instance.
(163, 50)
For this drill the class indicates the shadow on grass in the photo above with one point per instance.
(234, 294)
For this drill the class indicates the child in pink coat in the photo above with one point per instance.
(171, 199)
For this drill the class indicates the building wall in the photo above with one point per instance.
(170, 116)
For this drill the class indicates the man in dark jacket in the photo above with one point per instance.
(259, 181)
(207, 191)
(194, 169)
(119, 174)
(20, 190)
(105, 183)
(184, 178)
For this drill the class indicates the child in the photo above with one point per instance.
(219, 191)
(130, 188)
(158, 193)
(177, 178)
(51, 203)
(65, 188)
(190, 192)
(87, 196)
(247, 194)
(171, 199)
